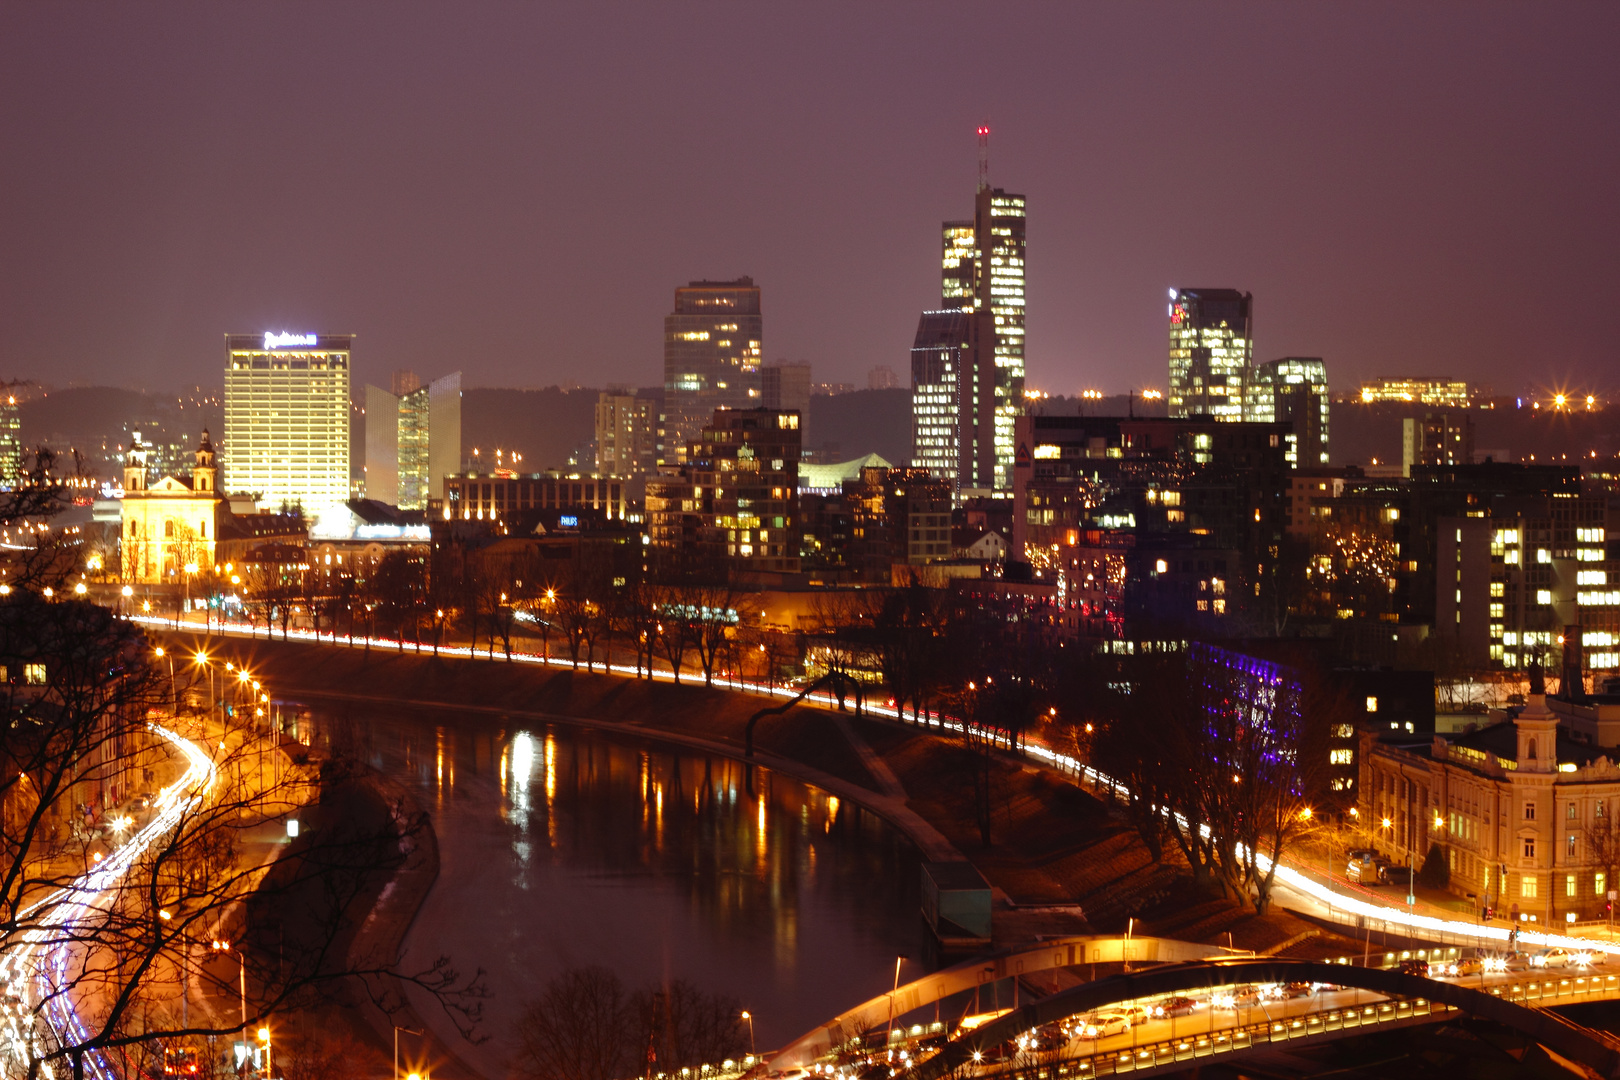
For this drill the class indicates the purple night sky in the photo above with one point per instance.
(515, 190)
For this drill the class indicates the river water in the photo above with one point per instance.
(560, 846)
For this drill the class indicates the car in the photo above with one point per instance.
(1176, 1006)
(1105, 1024)
(1552, 958)
(1394, 874)
(1046, 1038)
(1415, 966)
(1136, 1014)
(1298, 990)
(1469, 965)
(1362, 854)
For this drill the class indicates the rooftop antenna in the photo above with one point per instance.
(984, 156)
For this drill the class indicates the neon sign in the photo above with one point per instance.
(282, 341)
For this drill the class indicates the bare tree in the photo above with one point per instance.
(576, 1029)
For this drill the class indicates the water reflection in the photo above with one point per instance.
(654, 862)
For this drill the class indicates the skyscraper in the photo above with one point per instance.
(1211, 346)
(413, 441)
(626, 442)
(1292, 390)
(11, 455)
(982, 276)
(786, 385)
(711, 359)
(287, 418)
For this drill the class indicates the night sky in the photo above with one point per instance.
(516, 189)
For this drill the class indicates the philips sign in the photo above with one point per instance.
(282, 341)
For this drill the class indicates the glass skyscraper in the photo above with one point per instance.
(711, 359)
(287, 418)
(1211, 346)
(977, 367)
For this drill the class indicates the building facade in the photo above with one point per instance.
(287, 418)
(736, 496)
(1211, 348)
(974, 367)
(413, 440)
(496, 496)
(11, 452)
(786, 386)
(1422, 390)
(626, 435)
(1293, 391)
(171, 525)
(712, 343)
(1441, 438)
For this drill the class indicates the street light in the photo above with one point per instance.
(748, 1016)
(225, 947)
(397, 1030)
(269, 1066)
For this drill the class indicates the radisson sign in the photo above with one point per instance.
(282, 341)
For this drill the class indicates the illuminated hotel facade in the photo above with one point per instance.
(1211, 347)
(287, 418)
(968, 372)
(712, 349)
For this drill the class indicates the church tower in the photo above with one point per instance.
(135, 464)
(205, 474)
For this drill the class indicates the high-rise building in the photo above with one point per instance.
(413, 441)
(11, 456)
(711, 358)
(403, 381)
(287, 418)
(1293, 390)
(942, 402)
(882, 377)
(982, 276)
(786, 385)
(626, 435)
(1211, 346)
(736, 495)
(1440, 438)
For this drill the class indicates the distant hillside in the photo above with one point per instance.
(545, 426)
(1358, 433)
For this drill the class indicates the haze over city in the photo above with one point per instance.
(515, 190)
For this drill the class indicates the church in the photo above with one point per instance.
(172, 524)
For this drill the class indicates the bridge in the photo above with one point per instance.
(1223, 1012)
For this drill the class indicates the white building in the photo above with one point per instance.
(287, 418)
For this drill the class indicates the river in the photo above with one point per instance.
(561, 846)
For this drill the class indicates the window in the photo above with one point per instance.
(1569, 884)
(34, 674)
(1530, 808)
(1571, 814)
(1344, 731)
(1598, 810)
(1341, 757)
(1372, 704)
(1599, 883)
(1527, 888)
(1569, 848)
(1529, 847)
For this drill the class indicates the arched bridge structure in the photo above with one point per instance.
(1048, 955)
(1596, 1051)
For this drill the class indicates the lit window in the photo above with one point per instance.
(1341, 757)
(1372, 704)
(1527, 886)
(1569, 883)
(34, 674)
(1599, 883)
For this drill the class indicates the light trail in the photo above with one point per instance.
(34, 972)
(1287, 875)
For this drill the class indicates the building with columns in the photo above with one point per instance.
(1523, 810)
(171, 524)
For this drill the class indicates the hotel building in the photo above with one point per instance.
(287, 418)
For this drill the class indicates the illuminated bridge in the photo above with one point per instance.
(1224, 1012)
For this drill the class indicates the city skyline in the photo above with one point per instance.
(1301, 210)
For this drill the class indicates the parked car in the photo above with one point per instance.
(1394, 873)
(1415, 966)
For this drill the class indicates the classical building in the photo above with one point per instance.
(1522, 810)
(171, 524)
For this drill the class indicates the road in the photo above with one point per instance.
(35, 974)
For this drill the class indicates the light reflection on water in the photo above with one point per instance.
(654, 862)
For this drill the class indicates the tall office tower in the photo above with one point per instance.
(1440, 438)
(287, 418)
(1292, 390)
(786, 385)
(626, 435)
(711, 359)
(413, 441)
(943, 404)
(982, 275)
(1211, 346)
(403, 381)
(11, 457)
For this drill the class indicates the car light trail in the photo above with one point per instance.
(41, 958)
